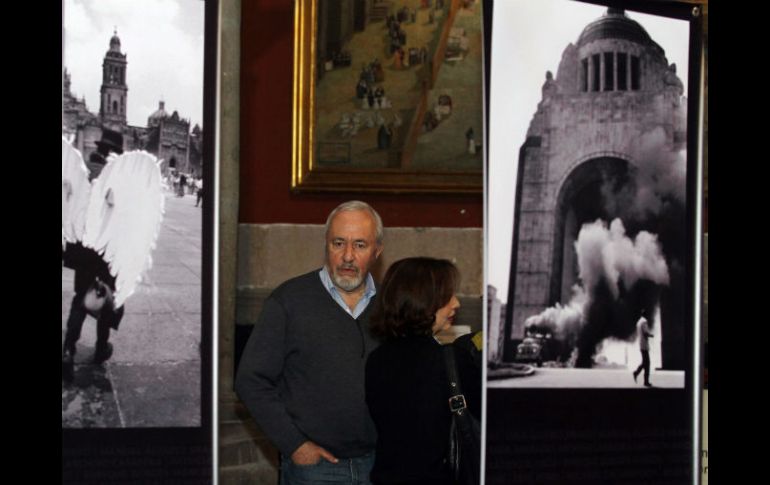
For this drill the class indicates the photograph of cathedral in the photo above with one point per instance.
(596, 291)
(132, 162)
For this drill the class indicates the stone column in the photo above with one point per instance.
(229, 116)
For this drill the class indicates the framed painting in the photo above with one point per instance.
(388, 98)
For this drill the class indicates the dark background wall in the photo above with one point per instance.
(265, 150)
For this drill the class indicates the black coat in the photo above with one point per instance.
(407, 395)
(89, 266)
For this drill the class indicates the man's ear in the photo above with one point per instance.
(379, 251)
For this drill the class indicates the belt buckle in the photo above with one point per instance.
(457, 404)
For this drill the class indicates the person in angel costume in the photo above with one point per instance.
(112, 208)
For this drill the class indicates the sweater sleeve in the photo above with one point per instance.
(259, 373)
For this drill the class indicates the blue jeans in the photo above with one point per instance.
(352, 471)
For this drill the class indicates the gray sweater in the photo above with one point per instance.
(302, 371)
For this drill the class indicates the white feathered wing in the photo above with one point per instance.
(123, 219)
(75, 193)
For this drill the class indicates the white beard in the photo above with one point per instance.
(347, 283)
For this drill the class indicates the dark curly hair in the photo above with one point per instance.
(410, 295)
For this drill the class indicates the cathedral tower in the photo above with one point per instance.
(114, 91)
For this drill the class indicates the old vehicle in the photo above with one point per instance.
(530, 350)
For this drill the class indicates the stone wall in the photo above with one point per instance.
(269, 254)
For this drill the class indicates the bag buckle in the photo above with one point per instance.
(457, 404)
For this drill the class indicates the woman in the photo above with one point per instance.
(406, 383)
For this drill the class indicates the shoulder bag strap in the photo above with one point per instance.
(457, 404)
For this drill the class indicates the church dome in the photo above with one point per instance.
(160, 112)
(158, 115)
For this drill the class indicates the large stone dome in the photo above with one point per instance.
(614, 24)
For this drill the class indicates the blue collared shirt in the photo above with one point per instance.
(369, 292)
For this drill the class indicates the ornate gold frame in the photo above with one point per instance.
(308, 176)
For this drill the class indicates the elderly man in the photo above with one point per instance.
(302, 371)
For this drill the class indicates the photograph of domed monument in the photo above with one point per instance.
(593, 242)
(588, 206)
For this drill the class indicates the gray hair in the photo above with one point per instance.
(357, 205)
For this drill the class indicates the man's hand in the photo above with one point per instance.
(310, 453)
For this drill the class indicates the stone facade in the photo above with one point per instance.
(613, 88)
(167, 136)
(494, 320)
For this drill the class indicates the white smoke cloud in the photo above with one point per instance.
(661, 173)
(565, 320)
(603, 253)
(608, 253)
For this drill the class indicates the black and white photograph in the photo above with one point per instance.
(132, 213)
(587, 215)
(592, 242)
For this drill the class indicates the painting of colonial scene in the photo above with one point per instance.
(399, 85)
